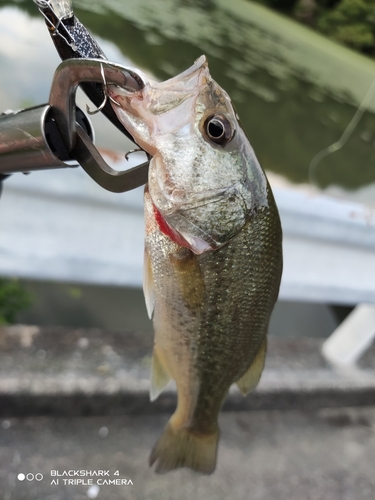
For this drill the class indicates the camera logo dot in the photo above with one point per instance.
(30, 477)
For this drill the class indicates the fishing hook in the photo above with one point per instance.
(133, 151)
(114, 100)
(105, 95)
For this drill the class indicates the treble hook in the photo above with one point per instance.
(105, 96)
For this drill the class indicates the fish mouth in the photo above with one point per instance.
(159, 97)
(160, 108)
(188, 79)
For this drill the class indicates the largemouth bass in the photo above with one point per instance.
(213, 256)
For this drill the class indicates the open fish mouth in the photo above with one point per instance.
(187, 75)
(160, 108)
(189, 81)
(160, 97)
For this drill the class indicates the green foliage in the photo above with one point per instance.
(281, 5)
(351, 22)
(306, 11)
(13, 299)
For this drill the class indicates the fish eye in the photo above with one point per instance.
(219, 129)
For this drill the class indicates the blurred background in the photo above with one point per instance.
(77, 250)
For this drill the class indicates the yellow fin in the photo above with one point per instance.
(159, 377)
(250, 379)
(183, 448)
(148, 284)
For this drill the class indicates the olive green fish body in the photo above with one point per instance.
(212, 254)
(211, 315)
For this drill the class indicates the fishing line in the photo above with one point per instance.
(44, 4)
(336, 146)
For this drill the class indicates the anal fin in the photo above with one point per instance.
(251, 377)
(159, 376)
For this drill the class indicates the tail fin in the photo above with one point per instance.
(183, 448)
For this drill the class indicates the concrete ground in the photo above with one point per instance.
(265, 455)
(77, 400)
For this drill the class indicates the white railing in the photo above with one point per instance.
(59, 225)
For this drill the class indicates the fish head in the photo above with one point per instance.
(204, 178)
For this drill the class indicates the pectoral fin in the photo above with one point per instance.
(250, 379)
(159, 376)
(148, 284)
